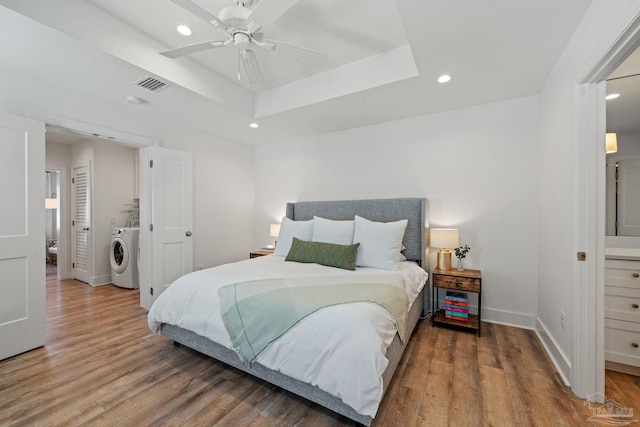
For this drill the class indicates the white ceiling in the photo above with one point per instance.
(385, 57)
(346, 30)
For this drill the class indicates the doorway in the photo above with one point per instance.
(52, 221)
(112, 169)
(588, 349)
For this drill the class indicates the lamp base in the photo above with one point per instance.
(444, 259)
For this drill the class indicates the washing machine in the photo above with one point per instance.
(124, 257)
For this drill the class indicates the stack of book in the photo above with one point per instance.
(456, 306)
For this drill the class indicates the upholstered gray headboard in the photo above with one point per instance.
(414, 210)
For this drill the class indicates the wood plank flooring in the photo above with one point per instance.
(102, 366)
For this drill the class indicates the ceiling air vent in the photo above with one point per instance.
(151, 83)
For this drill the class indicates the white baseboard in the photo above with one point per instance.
(101, 280)
(509, 318)
(558, 358)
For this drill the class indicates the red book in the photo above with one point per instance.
(459, 303)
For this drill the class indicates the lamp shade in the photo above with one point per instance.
(611, 142)
(50, 203)
(274, 230)
(444, 238)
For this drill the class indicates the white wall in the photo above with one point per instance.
(57, 155)
(476, 166)
(557, 172)
(628, 145)
(113, 180)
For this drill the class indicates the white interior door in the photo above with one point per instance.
(81, 224)
(169, 233)
(628, 212)
(22, 236)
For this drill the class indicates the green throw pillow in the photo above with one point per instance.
(329, 254)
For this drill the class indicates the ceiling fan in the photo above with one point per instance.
(243, 27)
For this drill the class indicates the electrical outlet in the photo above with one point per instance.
(563, 322)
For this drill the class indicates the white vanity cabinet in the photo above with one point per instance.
(622, 313)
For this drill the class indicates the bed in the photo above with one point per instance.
(291, 362)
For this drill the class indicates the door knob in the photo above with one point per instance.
(636, 274)
(188, 234)
(634, 305)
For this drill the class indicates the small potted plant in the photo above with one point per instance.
(461, 253)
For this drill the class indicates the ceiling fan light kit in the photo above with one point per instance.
(243, 26)
(234, 16)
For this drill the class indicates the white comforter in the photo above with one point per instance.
(345, 362)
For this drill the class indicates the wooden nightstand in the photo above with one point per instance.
(259, 253)
(461, 281)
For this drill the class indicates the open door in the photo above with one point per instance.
(166, 220)
(22, 236)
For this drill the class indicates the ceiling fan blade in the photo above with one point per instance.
(268, 11)
(192, 48)
(201, 13)
(251, 67)
(297, 52)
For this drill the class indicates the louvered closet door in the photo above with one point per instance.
(81, 264)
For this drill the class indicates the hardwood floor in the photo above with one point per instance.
(102, 366)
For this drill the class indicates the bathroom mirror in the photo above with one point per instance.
(623, 166)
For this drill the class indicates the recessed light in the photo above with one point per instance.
(612, 96)
(184, 30)
(444, 78)
(254, 125)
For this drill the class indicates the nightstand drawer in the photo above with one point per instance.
(459, 283)
(260, 253)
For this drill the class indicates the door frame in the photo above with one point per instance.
(111, 135)
(587, 356)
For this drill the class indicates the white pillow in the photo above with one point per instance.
(289, 229)
(380, 243)
(330, 231)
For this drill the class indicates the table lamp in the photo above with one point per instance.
(444, 239)
(274, 231)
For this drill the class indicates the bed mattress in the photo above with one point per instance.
(346, 362)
